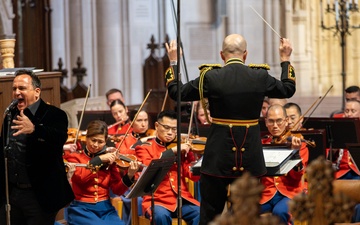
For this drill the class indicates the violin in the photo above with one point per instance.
(116, 137)
(150, 133)
(286, 138)
(72, 137)
(72, 134)
(197, 144)
(122, 160)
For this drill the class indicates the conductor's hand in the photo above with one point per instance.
(172, 50)
(133, 168)
(23, 124)
(285, 49)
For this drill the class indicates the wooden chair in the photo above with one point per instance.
(118, 205)
(142, 220)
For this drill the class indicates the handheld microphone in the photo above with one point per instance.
(12, 105)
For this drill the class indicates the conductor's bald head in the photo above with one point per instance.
(234, 45)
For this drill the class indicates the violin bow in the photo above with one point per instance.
(133, 120)
(82, 113)
(303, 115)
(165, 98)
(318, 104)
(287, 132)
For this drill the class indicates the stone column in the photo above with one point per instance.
(7, 48)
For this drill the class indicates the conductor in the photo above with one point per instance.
(235, 94)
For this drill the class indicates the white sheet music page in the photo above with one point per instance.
(274, 157)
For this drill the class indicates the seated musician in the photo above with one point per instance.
(92, 174)
(165, 196)
(120, 113)
(351, 93)
(139, 131)
(200, 113)
(293, 112)
(265, 107)
(279, 190)
(345, 167)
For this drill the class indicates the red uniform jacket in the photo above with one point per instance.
(92, 186)
(288, 185)
(166, 194)
(119, 129)
(127, 145)
(345, 165)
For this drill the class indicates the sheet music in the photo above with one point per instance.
(198, 163)
(275, 156)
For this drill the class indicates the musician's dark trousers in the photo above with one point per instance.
(213, 192)
(25, 209)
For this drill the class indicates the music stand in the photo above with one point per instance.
(150, 179)
(344, 130)
(319, 137)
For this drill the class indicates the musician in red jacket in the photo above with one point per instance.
(344, 165)
(92, 174)
(278, 190)
(120, 113)
(165, 197)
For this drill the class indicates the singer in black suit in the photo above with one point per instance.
(38, 186)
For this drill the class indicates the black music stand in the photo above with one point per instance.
(150, 179)
(344, 130)
(319, 137)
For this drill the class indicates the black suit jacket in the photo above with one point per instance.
(235, 92)
(44, 152)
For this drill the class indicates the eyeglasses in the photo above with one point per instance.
(168, 128)
(279, 122)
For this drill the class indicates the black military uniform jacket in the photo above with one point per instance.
(235, 92)
(44, 151)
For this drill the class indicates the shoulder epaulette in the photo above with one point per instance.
(209, 66)
(259, 66)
